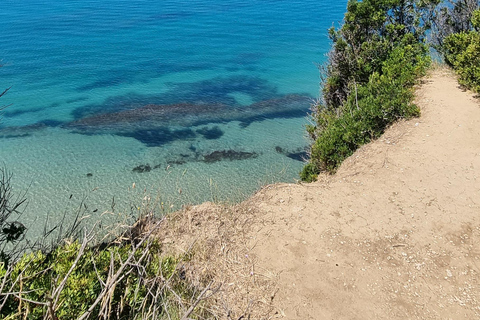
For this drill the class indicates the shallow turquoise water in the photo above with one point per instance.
(208, 98)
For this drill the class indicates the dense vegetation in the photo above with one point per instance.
(377, 56)
(117, 282)
(461, 50)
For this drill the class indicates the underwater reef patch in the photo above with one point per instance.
(28, 130)
(193, 114)
(11, 136)
(212, 91)
(156, 125)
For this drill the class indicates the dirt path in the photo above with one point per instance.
(395, 234)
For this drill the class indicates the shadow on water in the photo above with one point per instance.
(26, 131)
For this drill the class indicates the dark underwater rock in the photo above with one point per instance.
(151, 116)
(279, 149)
(142, 168)
(176, 162)
(210, 91)
(230, 155)
(188, 115)
(299, 156)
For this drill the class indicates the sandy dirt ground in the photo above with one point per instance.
(395, 234)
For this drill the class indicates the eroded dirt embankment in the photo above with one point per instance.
(395, 234)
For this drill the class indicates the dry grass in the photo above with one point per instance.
(216, 237)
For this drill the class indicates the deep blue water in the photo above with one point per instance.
(209, 97)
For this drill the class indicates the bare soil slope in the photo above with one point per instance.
(395, 234)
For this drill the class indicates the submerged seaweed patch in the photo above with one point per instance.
(211, 157)
(151, 124)
(192, 114)
(216, 90)
(272, 114)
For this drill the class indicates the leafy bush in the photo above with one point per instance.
(451, 16)
(462, 52)
(376, 58)
(37, 277)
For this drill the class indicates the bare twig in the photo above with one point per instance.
(31, 301)
(194, 305)
(117, 274)
(56, 293)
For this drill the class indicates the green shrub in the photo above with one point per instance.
(37, 275)
(462, 52)
(377, 57)
(383, 100)
(476, 20)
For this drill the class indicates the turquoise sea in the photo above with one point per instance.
(117, 103)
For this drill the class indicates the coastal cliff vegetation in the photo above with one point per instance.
(461, 51)
(377, 57)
